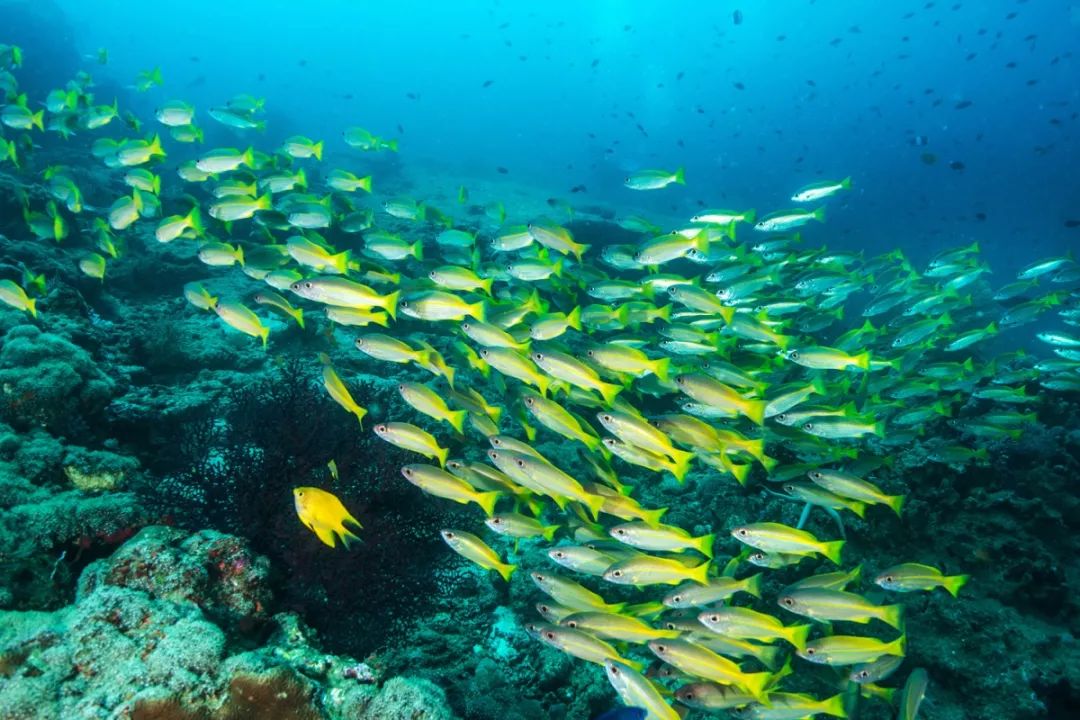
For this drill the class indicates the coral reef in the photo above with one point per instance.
(164, 628)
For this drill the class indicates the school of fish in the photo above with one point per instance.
(725, 346)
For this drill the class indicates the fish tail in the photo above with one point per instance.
(264, 333)
(819, 214)
(609, 391)
(704, 544)
(557, 268)
(953, 583)
(727, 313)
(360, 412)
(832, 550)
(770, 656)
(417, 250)
(859, 508)
(548, 531)
(573, 318)
(846, 183)
(897, 646)
(738, 471)
(752, 585)
(755, 411)
(680, 176)
(316, 150)
(485, 500)
(38, 120)
(594, 503)
(442, 454)
(896, 502)
(768, 462)
(835, 705)
(579, 249)
(506, 571)
(681, 465)
(797, 635)
(893, 615)
(652, 517)
(457, 420)
(390, 303)
(661, 368)
(194, 221)
(479, 311)
(700, 574)
(755, 684)
(487, 284)
(341, 262)
(31, 306)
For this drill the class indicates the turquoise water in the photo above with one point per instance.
(375, 360)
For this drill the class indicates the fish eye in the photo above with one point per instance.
(863, 674)
(888, 578)
(788, 601)
(808, 426)
(606, 417)
(558, 554)
(465, 326)
(380, 428)
(688, 695)
(616, 573)
(530, 401)
(549, 635)
(520, 463)
(619, 531)
(794, 354)
(743, 532)
(816, 474)
(449, 535)
(614, 670)
(571, 624)
(308, 285)
(661, 648)
(809, 651)
(432, 274)
(714, 618)
(496, 521)
(484, 353)
(590, 353)
(789, 488)
(677, 598)
(538, 356)
(407, 471)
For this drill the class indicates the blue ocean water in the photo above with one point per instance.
(569, 93)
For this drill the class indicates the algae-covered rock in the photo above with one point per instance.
(217, 572)
(46, 381)
(153, 636)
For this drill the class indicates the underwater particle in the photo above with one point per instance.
(739, 86)
(501, 170)
(957, 165)
(928, 158)
(488, 83)
(324, 514)
(962, 104)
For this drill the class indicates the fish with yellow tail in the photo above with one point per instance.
(473, 548)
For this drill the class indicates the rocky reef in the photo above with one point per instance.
(176, 625)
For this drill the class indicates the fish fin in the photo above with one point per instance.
(457, 420)
(487, 500)
(797, 634)
(548, 531)
(652, 517)
(835, 705)
(326, 535)
(594, 503)
(661, 368)
(756, 683)
(898, 646)
(506, 571)
(681, 466)
(846, 183)
(893, 615)
(442, 453)
(573, 318)
(391, 301)
(832, 550)
(896, 502)
(953, 583)
(680, 176)
(753, 585)
(819, 214)
(700, 573)
(704, 544)
(609, 391)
